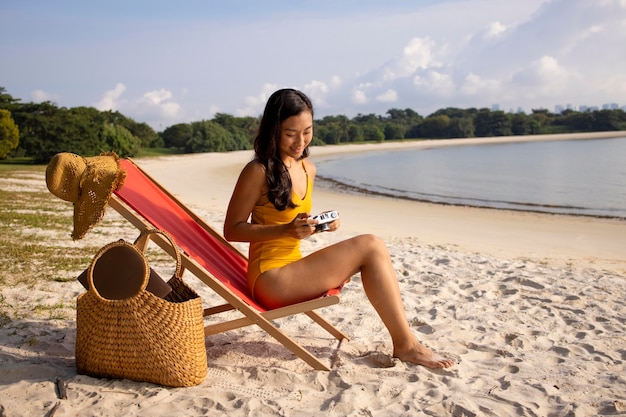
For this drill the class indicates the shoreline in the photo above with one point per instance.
(206, 181)
(435, 143)
(329, 183)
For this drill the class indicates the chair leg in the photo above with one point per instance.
(326, 325)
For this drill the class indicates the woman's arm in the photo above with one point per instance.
(247, 192)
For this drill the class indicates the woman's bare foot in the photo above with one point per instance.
(421, 355)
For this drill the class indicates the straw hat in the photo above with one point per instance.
(86, 182)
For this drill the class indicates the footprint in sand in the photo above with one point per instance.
(377, 360)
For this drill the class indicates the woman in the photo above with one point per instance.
(275, 188)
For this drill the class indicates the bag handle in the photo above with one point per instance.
(118, 271)
(145, 234)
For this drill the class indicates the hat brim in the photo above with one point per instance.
(101, 178)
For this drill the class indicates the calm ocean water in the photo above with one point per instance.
(581, 177)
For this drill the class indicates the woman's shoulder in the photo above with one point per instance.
(309, 166)
(254, 167)
(253, 173)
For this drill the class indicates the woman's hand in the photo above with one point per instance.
(301, 227)
(329, 227)
(334, 225)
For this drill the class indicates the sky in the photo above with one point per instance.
(163, 62)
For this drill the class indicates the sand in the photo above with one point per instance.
(531, 306)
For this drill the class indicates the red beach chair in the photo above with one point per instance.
(212, 259)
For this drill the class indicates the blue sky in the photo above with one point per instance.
(164, 62)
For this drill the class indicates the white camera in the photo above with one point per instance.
(324, 219)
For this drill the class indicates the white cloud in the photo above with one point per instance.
(436, 82)
(153, 107)
(494, 30)
(39, 96)
(256, 104)
(359, 97)
(335, 80)
(170, 110)
(389, 96)
(542, 73)
(476, 85)
(213, 109)
(156, 97)
(109, 100)
(316, 91)
(564, 52)
(417, 54)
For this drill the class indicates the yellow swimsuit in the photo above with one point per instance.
(276, 253)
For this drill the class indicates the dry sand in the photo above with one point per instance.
(530, 305)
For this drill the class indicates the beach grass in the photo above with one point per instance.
(31, 221)
(36, 250)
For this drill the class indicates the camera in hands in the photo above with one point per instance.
(324, 219)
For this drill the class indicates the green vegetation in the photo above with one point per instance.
(45, 129)
(37, 253)
(23, 213)
(9, 133)
(31, 254)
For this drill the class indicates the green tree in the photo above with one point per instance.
(46, 130)
(6, 100)
(606, 120)
(239, 128)
(399, 122)
(492, 123)
(364, 119)
(434, 127)
(335, 129)
(355, 132)
(146, 135)
(372, 133)
(453, 112)
(461, 127)
(119, 139)
(177, 136)
(9, 133)
(371, 128)
(540, 121)
(520, 124)
(394, 131)
(209, 136)
(578, 122)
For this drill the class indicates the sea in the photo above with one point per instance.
(574, 177)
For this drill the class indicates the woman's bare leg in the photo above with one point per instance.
(331, 267)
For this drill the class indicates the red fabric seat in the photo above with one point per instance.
(144, 196)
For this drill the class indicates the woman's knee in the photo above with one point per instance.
(372, 244)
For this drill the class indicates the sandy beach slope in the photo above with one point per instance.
(531, 306)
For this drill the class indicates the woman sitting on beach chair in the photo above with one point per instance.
(275, 189)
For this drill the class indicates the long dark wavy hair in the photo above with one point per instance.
(281, 105)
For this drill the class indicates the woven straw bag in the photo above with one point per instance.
(139, 335)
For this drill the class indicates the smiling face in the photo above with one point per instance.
(296, 132)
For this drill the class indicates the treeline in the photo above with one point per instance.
(40, 130)
(44, 129)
